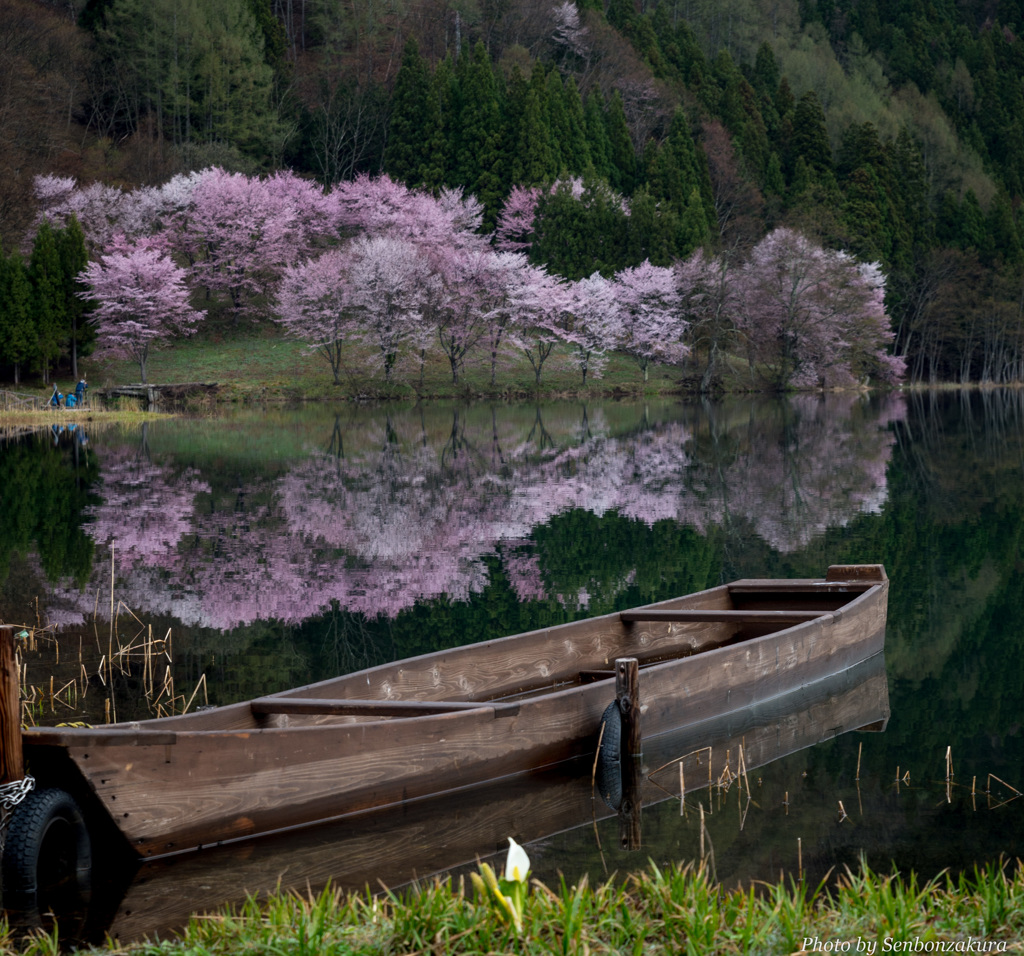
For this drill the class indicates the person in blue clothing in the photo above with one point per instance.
(70, 401)
(56, 399)
(80, 391)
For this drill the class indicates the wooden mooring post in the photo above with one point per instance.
(627, 694)
(12, 763)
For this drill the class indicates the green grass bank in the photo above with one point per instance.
(261, 365)
(677, 911)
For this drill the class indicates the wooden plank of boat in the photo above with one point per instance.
(685, 615)
(224, 774)
(375, 708)
(418, 840)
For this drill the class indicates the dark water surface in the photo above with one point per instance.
(270, 549)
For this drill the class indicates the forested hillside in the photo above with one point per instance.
(595, 136)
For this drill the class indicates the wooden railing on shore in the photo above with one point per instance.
(153, 397)
(20, 402)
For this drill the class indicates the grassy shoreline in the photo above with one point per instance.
(673, 911)
(263, 366)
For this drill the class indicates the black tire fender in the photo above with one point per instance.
(47, 860)
(609, 757)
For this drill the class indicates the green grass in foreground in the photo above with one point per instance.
(677, 911)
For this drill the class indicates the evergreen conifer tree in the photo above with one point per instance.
(576, 152)
(479, 157)
(534, 161)
(406, 153)
(1003, 240)
(48, 299)
(598, 144)
(810, 140)
(17, 330)
(441, 168)
(558, 122)
(73, 259)
(621, 155)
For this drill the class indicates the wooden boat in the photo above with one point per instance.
(455, 718)
(423, 838)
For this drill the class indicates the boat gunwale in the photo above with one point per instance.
(145, 733)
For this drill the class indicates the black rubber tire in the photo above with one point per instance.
(609, 757)
(47, 861)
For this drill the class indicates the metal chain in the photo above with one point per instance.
(11, 794)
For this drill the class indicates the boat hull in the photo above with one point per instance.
(180, 783)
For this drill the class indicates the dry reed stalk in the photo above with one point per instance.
(992, 776)
(860, 749)
(842, 812)
(746, 809)
(597, 757)
(111, 595)
(742, 768)
(799, 859)
(682, 790)
(692, 753)
(200, 683)
(949, 763)
(701, 831)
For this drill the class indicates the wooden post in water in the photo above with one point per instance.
(12, 764)
(627, 694)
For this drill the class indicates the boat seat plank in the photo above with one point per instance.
(800, 587)
(314, 706)
(701, 616)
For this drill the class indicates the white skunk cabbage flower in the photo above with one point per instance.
(517, 864)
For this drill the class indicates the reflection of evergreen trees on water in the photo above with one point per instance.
(949, 535)
(46, 485)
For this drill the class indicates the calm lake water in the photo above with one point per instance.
(280, 547)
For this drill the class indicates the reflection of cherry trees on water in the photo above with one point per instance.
(147, 510)
(399, 507)
(797, 468)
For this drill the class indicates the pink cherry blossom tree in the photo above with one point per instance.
(107, 212)
(315, 304)
(514, 232)
(142, 301)
(569, 32)
(650, 326)
(386, 278)
(240, 232)
(458, 310)
(379, 206)
(709, 302)
(100, 209)
(542, 305)
(813, 317)
(592, 323)
(517, 292)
